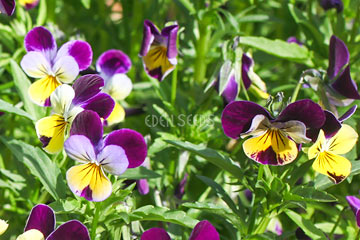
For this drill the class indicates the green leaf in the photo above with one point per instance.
(303, 193)
(306, 225)
(42, 13)
(70, 205)
(152, 213)
(7, 107)
(40, 165)
(139, 173)
(212, 156)
(86, 3)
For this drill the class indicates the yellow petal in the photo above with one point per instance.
(273, 148)
(3, 226)
(343, 141)
(41, 90)
(89, 181)
(117, 115)
(258, 92)
(32, 234)
(157, 63)
(51, 131)
(318, 146)
(334, 166)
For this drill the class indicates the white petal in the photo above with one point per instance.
(61, 99)
(113, 159)
(80, 148)
(66, 69)
(119, 86)
(36, 65)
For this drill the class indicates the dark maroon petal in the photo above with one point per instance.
(293, 39)
(306, 111)
(204, 231)
(142, 186)
(345, 86)
(338, 57)
(132, 142)
(88, 123)
(29, 6)
(87, 87)
(331, 125)
(328, 4)
(170, 33)
(80, 50)
(246, 63)
(155, 234)
(41, 40)
(237, 116)
(231, 90)
(42, 218)
(348, 113)
(7, 7)
(113, 61)
(70, 230)
(148, 37)
(102, 104)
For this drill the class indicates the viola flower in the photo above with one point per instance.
(326, 153)
(52, 67)
(329, 4)
(7, 7)
(29, 4)
(354, 203)
(120, 150)
(41, 225)
(202, 231)
(158, 50)
(142, 186)
(113, 66)
(293, 39)
(3, 226)
(274, 140)
(66, 103)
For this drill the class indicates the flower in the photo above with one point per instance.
(142, 186)
(326, 150)
(293, 39)
(7, 7)
(29, 4)
(354, 203)
(3, 226)
(67, 102)
(274, 141)
(202, 231)
(113, 66)
(41, 225)
(328, 4)
(121, 149)
(51, 66)
(158, 50)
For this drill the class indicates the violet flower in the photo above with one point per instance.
(329, 4)
(7, 7)
(354, 203)
(120, 150)
(293, 39)
(159, 50)
(202, 231)
(41, 225)
(29, 4)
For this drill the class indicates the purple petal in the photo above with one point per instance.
(170, 33)
(237, 117)
(328, 4)
(180, 188)
(330, 127)
(348, 113)
(306, 111)
(132, 142)
(155, 234)
(87, 87)
(246, 63)
(142, 186)
(345, 86)
(204, 231)
(293, 39)
(80, 50)
(7, 7)
(80, 148)
(113, 61)
(88, 123)
(40, 39)
(148, 37)
(72, 229)
(354, 203)
(102, 104)
(113, 159)
(29, 6)
(42, 218)
(231, 90)
(338, 56)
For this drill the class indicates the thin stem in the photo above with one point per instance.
(355, 24)
(173, 86)
(337, 223)
(201, 51)
(297, 89)
(95, 220)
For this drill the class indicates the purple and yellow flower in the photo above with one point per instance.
(274, 141)
(354, 203)
(113, 66)
(7, 7)
(66, 103)
(41, 225)
(329, 4)
(204, 230)
(159, 50)
(326, 153)
(120, 150)
(29, 4)
(52, 67)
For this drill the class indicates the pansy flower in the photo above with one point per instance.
(120, 150)
(3, 226)
(274, 140)
(41, 225)
(7, 7)
(202, 231)
(50, 66)
(329, 4)
(29, 4)
(158, 50)
(354, 203)
(113, 66)
(66, 103)
(326, 153)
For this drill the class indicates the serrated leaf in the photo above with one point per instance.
(139, 173)
(8, 107)
(66, 205)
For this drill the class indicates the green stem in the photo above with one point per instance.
(173, 86)
(323, 97)
(354, 27)
(357, 234)
(337, 223)
(95, 220)
(297, 90)
(263, 224)
(44, 197)
(201, 51)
